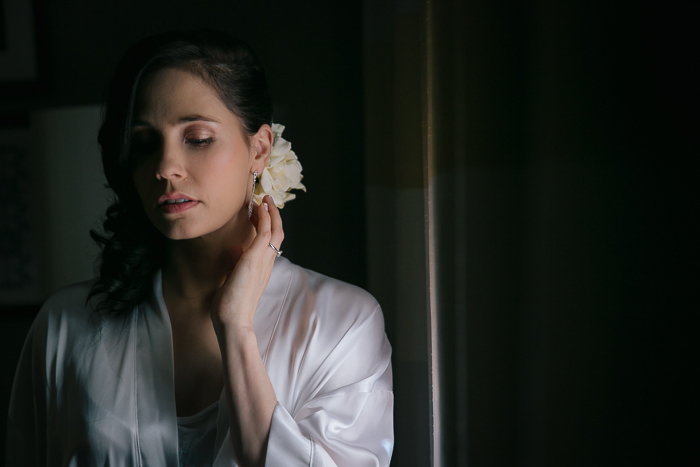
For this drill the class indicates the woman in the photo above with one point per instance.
(198, 344)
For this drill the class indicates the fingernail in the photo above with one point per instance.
(266, 208)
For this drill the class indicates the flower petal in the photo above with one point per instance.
(266, 181)
(281, 146)
(277, 129)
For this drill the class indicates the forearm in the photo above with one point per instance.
(249, 393)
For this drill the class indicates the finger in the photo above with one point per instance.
(262, 238)
(254, 218)
(277, 232)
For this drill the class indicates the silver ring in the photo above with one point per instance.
(277, 252)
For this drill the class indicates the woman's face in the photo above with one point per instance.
(194, 166)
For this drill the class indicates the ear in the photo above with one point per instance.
(262, 147)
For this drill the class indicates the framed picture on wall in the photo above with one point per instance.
(19, 271)
(22, 48)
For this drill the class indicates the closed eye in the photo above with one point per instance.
(198, 143)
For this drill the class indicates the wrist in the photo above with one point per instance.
(233, 331)
(225, 319)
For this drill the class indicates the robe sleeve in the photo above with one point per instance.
(349, 420)
(26, 420)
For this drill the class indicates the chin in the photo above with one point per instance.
(193, 229)
(179, 235)
(182, 230)
(198, 226)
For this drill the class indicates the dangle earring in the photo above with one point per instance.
(252, 193)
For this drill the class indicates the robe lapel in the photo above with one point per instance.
(154, 383)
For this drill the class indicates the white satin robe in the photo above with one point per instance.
(95, 391)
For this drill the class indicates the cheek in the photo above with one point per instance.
(228, 168)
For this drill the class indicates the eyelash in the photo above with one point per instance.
(199, 142)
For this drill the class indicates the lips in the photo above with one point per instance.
(173, 203)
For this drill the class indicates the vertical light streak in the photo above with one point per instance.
(429, 174)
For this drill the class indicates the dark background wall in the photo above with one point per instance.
(312, 54)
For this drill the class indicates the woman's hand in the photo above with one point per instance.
(235, 303)
(249, 392)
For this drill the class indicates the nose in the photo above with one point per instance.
(170, 165)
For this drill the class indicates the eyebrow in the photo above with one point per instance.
(186, 119)
(197, 118)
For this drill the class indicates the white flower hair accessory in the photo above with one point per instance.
(283, 172)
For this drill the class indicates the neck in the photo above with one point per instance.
(196, 268)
